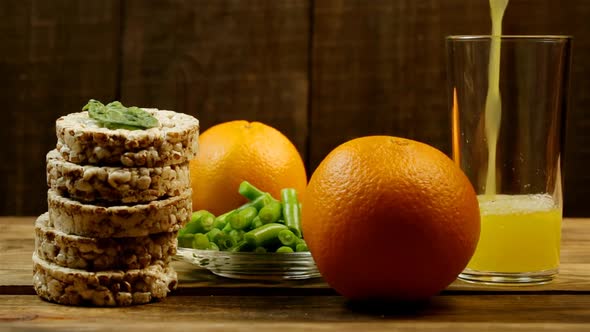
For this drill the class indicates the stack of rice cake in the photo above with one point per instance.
(116, 201)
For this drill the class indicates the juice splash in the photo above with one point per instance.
(519, 233)
(493, 107)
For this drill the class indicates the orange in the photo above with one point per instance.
(388, 218)
(234, 151)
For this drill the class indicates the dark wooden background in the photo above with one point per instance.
(322, 72)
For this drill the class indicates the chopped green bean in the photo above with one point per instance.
(287, 238)
(243, 218)
(213, 246)
(260, 250)
(200, 241)
(227, 226)
(264, 235)
(271, 212)
(291, 210)
(247, 190)
(213, 233)
(256, 222)
(237, 234)
(197, 215)
(206, 222)
(301, 246)
(224, 241)
(221, 220)
(240, 246)
(185, 240)
(191, 227)
(284, 249)
(201, 222)
(258, 203)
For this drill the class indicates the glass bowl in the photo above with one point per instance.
(251, 265)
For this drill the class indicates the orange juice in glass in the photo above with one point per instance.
(519, 233)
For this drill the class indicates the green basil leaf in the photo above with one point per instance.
(116, 116)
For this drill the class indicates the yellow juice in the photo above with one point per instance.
(519, 233)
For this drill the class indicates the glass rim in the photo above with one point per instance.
(553, 38)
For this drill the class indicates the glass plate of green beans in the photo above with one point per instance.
(261, 239)
(252, 265)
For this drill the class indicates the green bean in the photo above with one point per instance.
(206, 222)
(200, 241)
(260, 250)
(233, 218)
(224, 241)
(241, 219)
(201, 222)
(227, 226)
(287, 238)
(256, 222)
(213, 233)
(221, 220)
(185, 240)
(237, 234)
(213, 246)
(258, 203)
(197, 215)
(247, 190)
(284, 249)
(291, 211)
(271, 212)
(191, 227)
(240, 247)
(301, 246)
(264, 235)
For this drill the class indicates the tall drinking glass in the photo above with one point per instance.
(508, 135)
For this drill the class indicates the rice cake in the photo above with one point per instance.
(90, 183)
(82, 140)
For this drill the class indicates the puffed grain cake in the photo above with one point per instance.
(82, 140)
(99, 254)
(90, 183)
(106, 288)
(73, 217)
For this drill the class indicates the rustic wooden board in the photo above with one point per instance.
(552, 17)
(322, 72)
(306, 313)
(16, 247)
(378, 67)
(54, 56)
(220, 60)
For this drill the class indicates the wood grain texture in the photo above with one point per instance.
(16, 247)
(307, 313)
(551, 17)
(206, 302)
(54, 56)
(220, 60)
(322, 72)
(378, 67)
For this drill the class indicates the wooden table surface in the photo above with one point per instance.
(206, 302)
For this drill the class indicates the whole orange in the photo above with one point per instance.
(234, 151)
(388, 218)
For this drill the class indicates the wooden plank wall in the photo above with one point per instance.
(322, 72)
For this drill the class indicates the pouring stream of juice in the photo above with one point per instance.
(493, 107)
